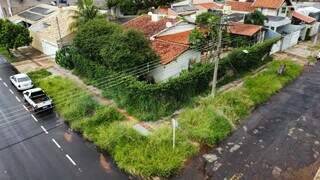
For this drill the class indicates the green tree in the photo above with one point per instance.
(13, 36)
(91, 36)
(126, 50)
(197, 39)
(256, 18)
(86, 11)
(109, 44)
(210, 22)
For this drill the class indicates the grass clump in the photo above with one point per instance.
(145, 156)
(10, 58)
(38, 75)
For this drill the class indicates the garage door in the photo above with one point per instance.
(49, 48)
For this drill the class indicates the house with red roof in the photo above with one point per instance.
(175, 54)
(169, 38)
(311, 25)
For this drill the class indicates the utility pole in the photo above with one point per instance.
(60, 44)
(217, 56)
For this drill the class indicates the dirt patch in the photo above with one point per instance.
(306, 173)
(67, 136)
(105, 164)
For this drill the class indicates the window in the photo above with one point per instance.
(283, 10)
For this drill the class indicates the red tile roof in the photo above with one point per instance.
(148, 27)
(272, 4)
(243, 29)
(241, 6)
(235, 6)
(168, 51)
(212, 5)
(302, 17)
(181, 38)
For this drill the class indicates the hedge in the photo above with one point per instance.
(153, 101)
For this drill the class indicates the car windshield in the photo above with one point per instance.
(23, 79)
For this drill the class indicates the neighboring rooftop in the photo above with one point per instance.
(34, 14)
(168, 51)
(149, 27)
(302, 17)
(243, 29)
(184, 9)
(272, 4)
(208, 6)
(275, 18)
(241, 6)
(180, 38)
(236, 17)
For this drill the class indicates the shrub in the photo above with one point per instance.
(64, 57)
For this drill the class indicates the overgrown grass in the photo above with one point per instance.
(134, 153)
(5, 53)
(38, 75)
(211, 120)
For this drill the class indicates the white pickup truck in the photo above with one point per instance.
(38, 100)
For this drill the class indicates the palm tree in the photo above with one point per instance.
(86, 11)
(256, 18)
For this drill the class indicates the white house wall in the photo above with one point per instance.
(174, 68)
(269, 12)
(290, 40)
(181, 27)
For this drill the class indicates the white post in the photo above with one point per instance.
(173, 133)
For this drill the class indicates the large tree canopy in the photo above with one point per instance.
(109, 44)
(91, 36)
(13, 36)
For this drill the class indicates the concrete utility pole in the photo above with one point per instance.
(60, 44)
(217, 56)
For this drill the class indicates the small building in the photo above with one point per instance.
(48, 25)
(253, 33)
(175, 54)
(311, 25)
(273, 7)
(169, 38)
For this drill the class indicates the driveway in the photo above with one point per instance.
(280, 140)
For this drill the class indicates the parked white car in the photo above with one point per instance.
(38, 100)
(21, 81)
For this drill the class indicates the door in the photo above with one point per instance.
(49, 48)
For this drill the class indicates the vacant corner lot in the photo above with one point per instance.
(149, 156)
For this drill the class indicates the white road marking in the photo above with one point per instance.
(25, 108)
(56, 143)
(11, 91)
(44, 129)
(18, 99)
(0, 79)
(5, 84)
(71, 160)
(34, 118)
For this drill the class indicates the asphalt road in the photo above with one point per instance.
(280, 140)
(41, 147)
